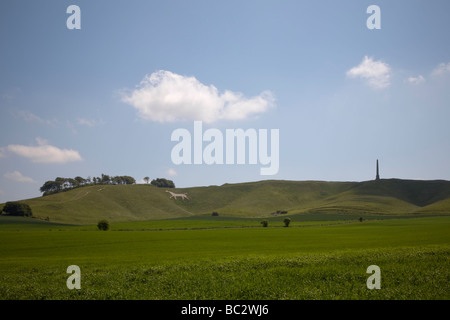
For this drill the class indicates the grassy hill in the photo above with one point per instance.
(120, 203)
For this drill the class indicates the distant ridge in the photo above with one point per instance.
(138, 202)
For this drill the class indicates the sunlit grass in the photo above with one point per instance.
(327, 262)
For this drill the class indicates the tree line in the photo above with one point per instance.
(64, 184)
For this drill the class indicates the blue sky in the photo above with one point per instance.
(82, 102)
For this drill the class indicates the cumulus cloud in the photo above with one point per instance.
(164, 96)
(376, 73)
(416, 80)
(441, 69)
(45, 153)
(171, 172)
(18, 177)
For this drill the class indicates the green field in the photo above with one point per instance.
(131, 203)
(161, 248)
(317, 257)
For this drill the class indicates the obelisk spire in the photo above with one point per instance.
(378, 172)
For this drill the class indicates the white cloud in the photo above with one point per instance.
(416, 80)
(141, 181)
(45, 153)
(171, 172)
(89, 122)
(165, 96)
(18, 177)
(376, 73)
(441, 69)
(31, 117)
(2, 152)
(41, 141)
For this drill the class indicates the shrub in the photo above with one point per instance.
(278, 212)
(286, 222)
(103, 225)
(17, 209)
(265, 223)
(163, 183)
(215, 214)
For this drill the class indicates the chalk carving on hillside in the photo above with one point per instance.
(175, 195)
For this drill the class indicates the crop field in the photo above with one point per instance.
(325, 257)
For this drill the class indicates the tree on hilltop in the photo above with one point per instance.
(163, 183)
(105, 179)
(123, 180)
(64, 184)
(51, 187)
(81, 181)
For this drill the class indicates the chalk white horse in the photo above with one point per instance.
(175, 195)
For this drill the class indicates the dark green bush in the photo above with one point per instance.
(17, 209)
(103, 225)
(162, 183)
(286, 222)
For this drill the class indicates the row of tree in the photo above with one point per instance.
(64, 184)
(286, 221)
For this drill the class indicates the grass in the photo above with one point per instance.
(407, 273)
(321, 262)
(25, 223)
(130, 203)
(198, 222)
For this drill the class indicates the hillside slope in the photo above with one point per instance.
(87, 205)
